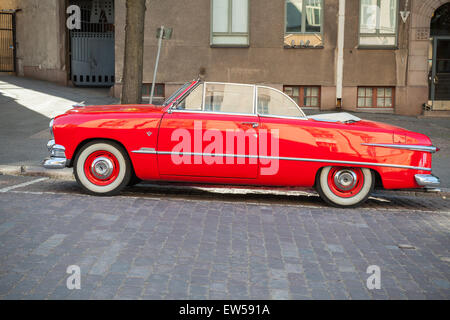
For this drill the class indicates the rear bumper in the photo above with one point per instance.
(427, 180)
(57, 158)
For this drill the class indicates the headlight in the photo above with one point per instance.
(51, 127)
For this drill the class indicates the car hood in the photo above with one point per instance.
(124, 108)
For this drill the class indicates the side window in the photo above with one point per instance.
(273, 102)
(193, 101)
(229, 98)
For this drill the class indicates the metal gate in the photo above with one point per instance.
(7, 42)
(92, 47)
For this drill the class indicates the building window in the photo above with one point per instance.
(306, 97)
(303, 26)
(377, 97)
(158, 95)
(229, 23)
(378, 23)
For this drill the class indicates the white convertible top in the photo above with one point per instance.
(343, 117)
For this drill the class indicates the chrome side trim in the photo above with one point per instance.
(431, 149)
(145, 150)
(426, 180)
(369, 164)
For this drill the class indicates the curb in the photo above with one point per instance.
(67, 174)
(38, 171)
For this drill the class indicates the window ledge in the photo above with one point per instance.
(230, 46)
(303, 47)
(377, 47)
(375, 109)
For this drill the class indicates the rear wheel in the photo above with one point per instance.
(102, 168)
(345, 187)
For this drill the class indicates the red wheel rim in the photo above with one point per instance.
(101, 168)
(345, 182)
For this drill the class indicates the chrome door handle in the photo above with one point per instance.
(253, 124)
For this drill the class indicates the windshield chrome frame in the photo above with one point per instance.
(255, 101)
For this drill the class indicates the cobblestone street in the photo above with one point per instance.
(192, 243)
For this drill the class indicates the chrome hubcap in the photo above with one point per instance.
(102, 168)
(345, 179)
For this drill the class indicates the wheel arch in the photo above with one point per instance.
(86, 141)
(378, 179)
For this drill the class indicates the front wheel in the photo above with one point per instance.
(345, 187)
(102, 168)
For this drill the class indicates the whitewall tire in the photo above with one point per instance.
(102, 167)
(345, 187)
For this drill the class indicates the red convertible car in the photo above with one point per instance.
(237, 134)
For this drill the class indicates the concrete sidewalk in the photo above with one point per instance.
(27, 105)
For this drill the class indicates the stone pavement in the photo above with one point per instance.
(147, 244)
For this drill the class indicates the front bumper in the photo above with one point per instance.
(57, 158)
(427, 180)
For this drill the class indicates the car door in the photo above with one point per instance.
(213, 132)
(285, 139)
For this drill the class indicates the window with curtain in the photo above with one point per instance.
(378, 23)
(229, 23)
(303, 26)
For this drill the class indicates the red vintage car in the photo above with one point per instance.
(237, 134)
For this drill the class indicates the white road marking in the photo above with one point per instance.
(20, 185)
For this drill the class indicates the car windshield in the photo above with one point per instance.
(177, 93)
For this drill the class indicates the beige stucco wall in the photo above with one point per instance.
(40, 38)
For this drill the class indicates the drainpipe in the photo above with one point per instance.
(340, 59)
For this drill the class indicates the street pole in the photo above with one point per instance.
(340, 59)
(161, 33)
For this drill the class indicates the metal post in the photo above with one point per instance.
(161, 33)
(340, 60)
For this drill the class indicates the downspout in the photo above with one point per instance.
(340, 59)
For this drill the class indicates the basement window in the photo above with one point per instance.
(304, 96)
(376, 97)
(158, 95)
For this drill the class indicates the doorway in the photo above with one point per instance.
(7, 42)
(440, 67)
(92, 46)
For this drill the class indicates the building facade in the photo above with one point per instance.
(389, 56)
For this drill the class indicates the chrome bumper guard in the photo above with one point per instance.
(427, 180)
(57, 158)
